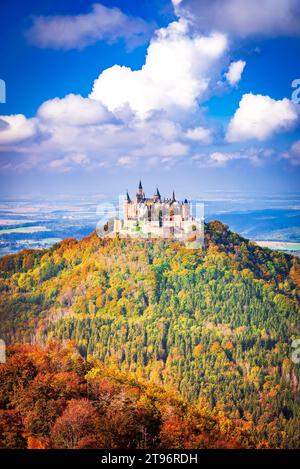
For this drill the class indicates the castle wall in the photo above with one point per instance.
(156, 217)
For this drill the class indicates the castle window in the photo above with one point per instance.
(160, 219)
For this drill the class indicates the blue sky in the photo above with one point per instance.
(212, 108)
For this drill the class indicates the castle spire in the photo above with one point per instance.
(157, 193)
(173, 197)
(140, 193)
(128, 197)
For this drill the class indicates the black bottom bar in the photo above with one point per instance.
(148, 458)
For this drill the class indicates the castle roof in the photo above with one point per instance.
(157, 193)
(141, 199)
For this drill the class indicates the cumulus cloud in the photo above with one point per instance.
(176, 73)
(235, 71)
(73, 110)
(78, 31)
(16, 128)
(149, 116)
(243, 17)
(66, 163)
(221, 158)
(259, 117)
(295, 150)
(131, 115)
(127, 161)
(217, 158)
(293, 154)
(199, 134)
(64, 146)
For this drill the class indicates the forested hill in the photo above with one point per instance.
(215, 324)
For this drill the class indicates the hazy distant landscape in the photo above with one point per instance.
(273, 221)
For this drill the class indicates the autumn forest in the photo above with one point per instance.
(137, 344)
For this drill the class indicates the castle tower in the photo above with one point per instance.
(155, 217)
(140, 187)
(186, 210)
(127, 206)
(157, 196)
(140, 195)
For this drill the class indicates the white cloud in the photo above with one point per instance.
(59, 165)
(216, 158)
(295, 149)
(67, 162)
(219, 158)
(259, 117)
(243, 17)
(145, 124)
(199, 134)
(235, 71)
(149, 116)
(176, 73)
(78, 31)
(73, 110)
(293, 154)
(127, 161)
(16, 128)
(80, 158)
(63, 147)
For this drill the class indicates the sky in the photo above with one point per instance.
(191, 95)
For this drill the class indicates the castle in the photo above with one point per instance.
(157, 217)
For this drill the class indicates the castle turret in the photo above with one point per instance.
(173, 199)
(127, 206)
(128, 199)
(186, 210)
(155, 216)
(157, 196)
(140, 195)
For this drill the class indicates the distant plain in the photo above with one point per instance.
(271, 220)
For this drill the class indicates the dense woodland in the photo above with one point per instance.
(53, 398)
(214, 326)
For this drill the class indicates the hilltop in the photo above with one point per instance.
(214, 325)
